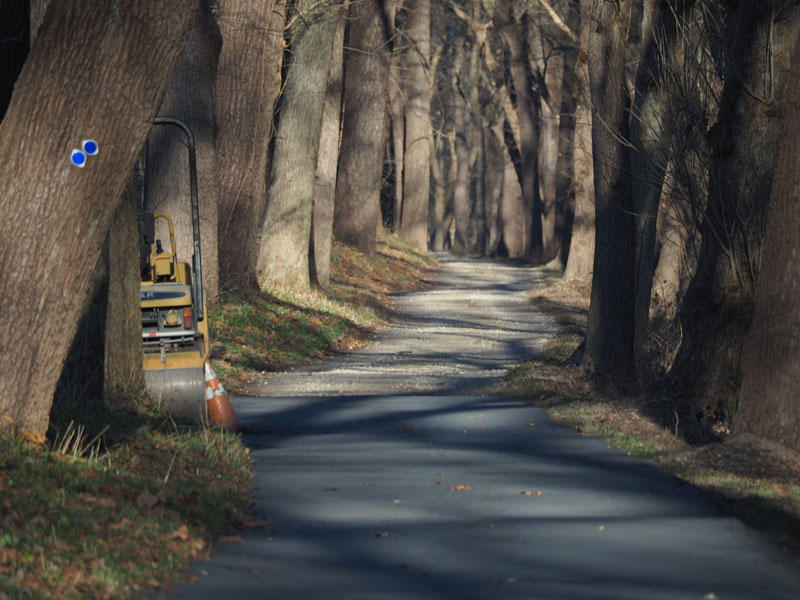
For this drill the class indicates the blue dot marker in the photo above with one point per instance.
(90, 147)
(78, 158)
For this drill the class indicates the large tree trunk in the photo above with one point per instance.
(580, 261)
(396, 96)
(564, 199)
(327, 162)
(550, 65)
(717, 310)
(56, 215)
(123, 371)
(528, 113)
(358, 182)
(768, 400)
(651, 128)
(461, 197)
(284, 248)
(419, 134)
(191, 99)
(248, 82)
(609, 337)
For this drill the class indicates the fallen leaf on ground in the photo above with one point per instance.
(34, 439)
(458, 488)
(181, 533)
(528, 493)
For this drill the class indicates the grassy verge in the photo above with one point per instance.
(127, 500)
(259, 332)
(756, 481)
(80, 520)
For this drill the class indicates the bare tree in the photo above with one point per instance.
(284, 247)
(57, 215)
(358, 182)
(768, 400)
(418, 131)
(248, 82)
(327, 161)
(609, 337)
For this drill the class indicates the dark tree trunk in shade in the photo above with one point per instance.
(358, 181)
(769, 405)
(609, 337)
(57, 215)
(717, 309)
(248, 82)
(123, 372)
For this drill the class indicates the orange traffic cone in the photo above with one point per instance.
(220, 410)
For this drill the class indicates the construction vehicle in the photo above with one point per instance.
(174, 318)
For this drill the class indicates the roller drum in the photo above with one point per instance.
(182, 392)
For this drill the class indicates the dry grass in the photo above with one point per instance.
(756, 481)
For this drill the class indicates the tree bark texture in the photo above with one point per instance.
(528, 113)
(651, 128)
(564, 173)
(396, 95)
(580, 261)
(358, 182)
(123, 372)
(327, 162)
(248, 83)
(768, 401)
(284, 248)
(190, 98)
(57, 215)
(418, 130)
(461, 196)
(717, 310)
(609, 337)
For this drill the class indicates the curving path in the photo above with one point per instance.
(387, 475)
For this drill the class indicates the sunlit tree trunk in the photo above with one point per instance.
(418, 133)
(358, 182)
(284, 248)
(528, 113)
(248, 82)
(581, 246)
(57, 215)
(327, 161)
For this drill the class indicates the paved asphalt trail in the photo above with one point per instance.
(363, 465)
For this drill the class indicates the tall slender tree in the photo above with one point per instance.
(358, 181)
(248, 82)
(418, 129)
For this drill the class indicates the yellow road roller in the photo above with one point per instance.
(174, 318)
